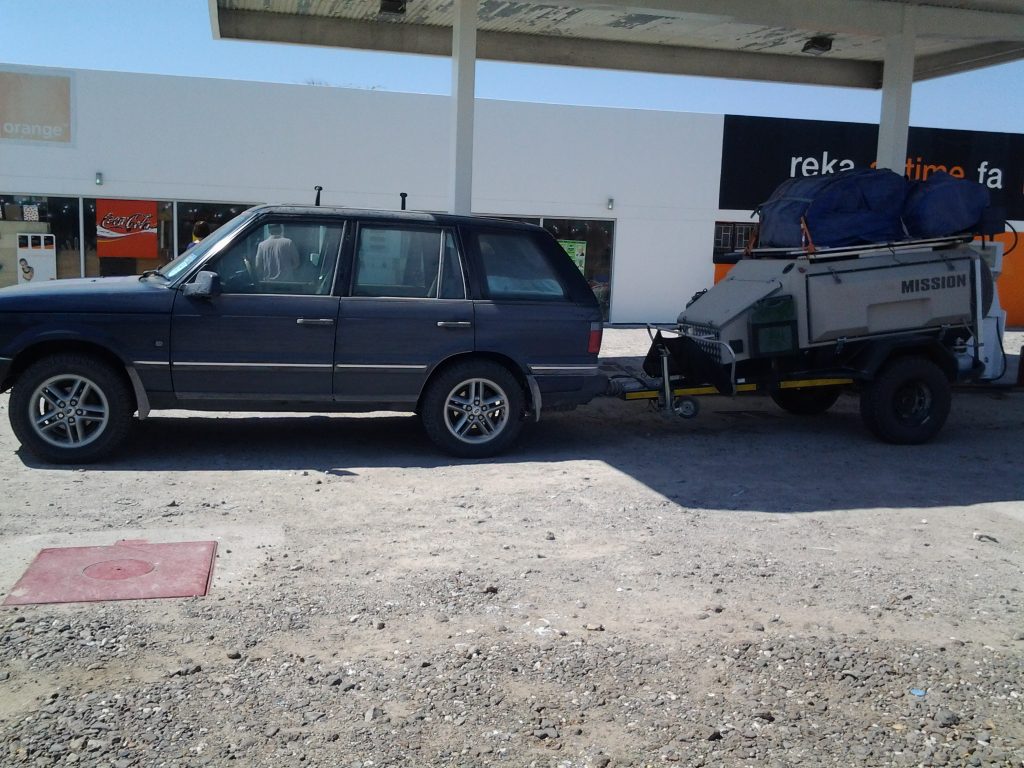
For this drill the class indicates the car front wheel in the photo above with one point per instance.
(71, 409)
(474, 409)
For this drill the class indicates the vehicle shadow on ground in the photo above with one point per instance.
(741, 454)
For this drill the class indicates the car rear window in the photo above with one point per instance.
(516, 267)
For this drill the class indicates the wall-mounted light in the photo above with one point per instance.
(611, 203)
(99, 179)
(818, 45)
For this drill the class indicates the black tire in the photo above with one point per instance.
(71, 409)
(908, 401)
(459, 423)
(809, 401)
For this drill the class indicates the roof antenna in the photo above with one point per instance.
(403, 195)
(318, 189)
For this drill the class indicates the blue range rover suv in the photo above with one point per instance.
(475, 324)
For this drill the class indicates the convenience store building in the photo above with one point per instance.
(104, 173)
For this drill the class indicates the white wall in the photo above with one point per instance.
(660, 168)
(156, 137)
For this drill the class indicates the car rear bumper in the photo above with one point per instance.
(559, 391)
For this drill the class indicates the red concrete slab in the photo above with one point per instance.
(128, 570)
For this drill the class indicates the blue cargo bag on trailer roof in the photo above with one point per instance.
(846, 208)
(944, 205)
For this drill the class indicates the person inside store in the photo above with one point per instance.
(27, 272)
(277, 258)
(200, 230)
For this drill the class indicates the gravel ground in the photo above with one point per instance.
(744, 589)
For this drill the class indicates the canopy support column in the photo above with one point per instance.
(460, 197)
(897, 82)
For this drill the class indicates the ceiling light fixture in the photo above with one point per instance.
(392, 6)
(818, 45)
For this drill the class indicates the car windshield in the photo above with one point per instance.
(179, 266)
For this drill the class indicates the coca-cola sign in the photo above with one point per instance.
(126, 229)
(132, 223)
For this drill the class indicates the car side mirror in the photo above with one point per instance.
(205, 286)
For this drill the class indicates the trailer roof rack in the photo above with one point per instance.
(856, 251)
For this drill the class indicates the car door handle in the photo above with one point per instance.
(314, 321)
(454, 324)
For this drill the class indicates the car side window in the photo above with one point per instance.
(281, 257)
(516, 267)
(407, 262)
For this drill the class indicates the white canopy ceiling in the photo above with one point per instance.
(746, 39)
(885, 44)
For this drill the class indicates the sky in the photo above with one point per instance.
(174, 37)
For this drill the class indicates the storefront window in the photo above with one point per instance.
(589, 244)
(214, 214)
(126, 237)
(732, 236)
(38, 238)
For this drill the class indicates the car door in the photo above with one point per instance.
(406, 310)
(269, 333)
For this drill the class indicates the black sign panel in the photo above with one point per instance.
(759, 153)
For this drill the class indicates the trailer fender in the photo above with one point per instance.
(876, 354)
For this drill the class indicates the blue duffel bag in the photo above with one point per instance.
(944, 205)
(847, 208)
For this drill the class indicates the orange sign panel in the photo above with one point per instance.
(1011, 281)
(126, 229)
(35, 107)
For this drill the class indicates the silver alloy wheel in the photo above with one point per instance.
(476, 410)
(68, 411)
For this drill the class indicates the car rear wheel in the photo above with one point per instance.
(71, 409)
(474, 409)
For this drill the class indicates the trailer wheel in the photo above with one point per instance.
(810, 401)
(908, 401)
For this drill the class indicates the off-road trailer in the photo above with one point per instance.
(900, 323)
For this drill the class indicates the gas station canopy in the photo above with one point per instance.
(821, 42)
(885, 44)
